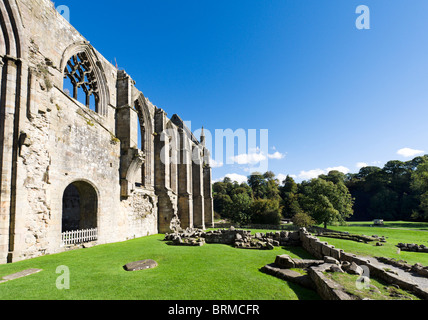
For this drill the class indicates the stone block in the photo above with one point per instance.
(336, 253)
(140, 265)
(325, 250)
(285, 262)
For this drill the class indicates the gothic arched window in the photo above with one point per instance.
(83, 81)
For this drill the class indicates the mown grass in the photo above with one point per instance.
(395, 232)
(211, 272)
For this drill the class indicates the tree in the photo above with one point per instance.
(265, 211)
(327, 202)
(290, 198)
(419, 184)
(334, 176)
(271, 186)
(238, 210)
(221, 204)
(303, 220)
(258, 184)
(366, 171)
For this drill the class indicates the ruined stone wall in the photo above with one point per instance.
(58, 140)
(50, 140)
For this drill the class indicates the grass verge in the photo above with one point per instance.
(211, 272)
(394, 232)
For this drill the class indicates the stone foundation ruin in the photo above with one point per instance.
(328, 259)
(242, 239)
(412, 247)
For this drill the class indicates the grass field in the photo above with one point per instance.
(211, 272)
(395, 232)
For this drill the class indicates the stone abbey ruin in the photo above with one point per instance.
(75, 170)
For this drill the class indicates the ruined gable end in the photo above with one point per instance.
(84, 155)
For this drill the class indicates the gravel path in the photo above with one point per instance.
(411, 277)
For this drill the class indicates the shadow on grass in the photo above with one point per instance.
(299, 252)
(303, 293)
(397, 224)
(404, 225)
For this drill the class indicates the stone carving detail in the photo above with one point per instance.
(81, 75)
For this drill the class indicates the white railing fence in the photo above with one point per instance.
(79, 236)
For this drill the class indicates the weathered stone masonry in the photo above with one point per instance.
(69, 165)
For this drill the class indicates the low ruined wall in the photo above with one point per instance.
(326, 288)
(320, 249)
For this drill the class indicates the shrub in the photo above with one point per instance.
(302, 219)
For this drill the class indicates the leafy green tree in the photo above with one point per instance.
(290, 198)
(327, 202)
(419, 184)
(265, 211)
(258, 184)
(384, 203)
(334, 176)
(271, 186)
(221, 204)
(239, 210)
(303, 220)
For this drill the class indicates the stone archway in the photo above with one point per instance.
(79, 207)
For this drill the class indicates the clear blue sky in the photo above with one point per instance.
(329, 94)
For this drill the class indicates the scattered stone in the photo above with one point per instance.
(285, 262)
(270, 246)
(335, 268)
(355, 269)
(140, 265)
(289, 275)
(391, 271)
(238, 238)
(20, 274)
(331, 260)
(345, 265)
(412, 247)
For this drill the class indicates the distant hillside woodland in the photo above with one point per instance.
(398, 191)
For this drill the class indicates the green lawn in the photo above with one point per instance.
(395, 232)
(211, 272)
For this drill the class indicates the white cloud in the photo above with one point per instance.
(311, 174)
(281, 177)
(408, 152)
(255, 156)
(315, 173)
(360, 165)
(234, 177)
(277, 155)
(342, 169)
(249, 158)
(216, 164)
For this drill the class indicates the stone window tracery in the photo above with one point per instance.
(82, 76)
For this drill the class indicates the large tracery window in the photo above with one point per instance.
(84, 85)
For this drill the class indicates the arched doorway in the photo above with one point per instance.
(79, 207)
